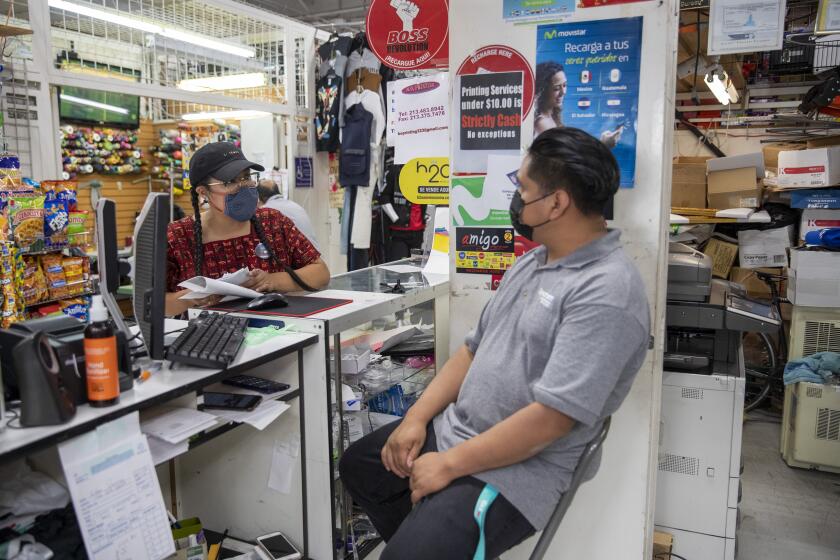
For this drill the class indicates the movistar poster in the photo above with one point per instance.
(587, 77)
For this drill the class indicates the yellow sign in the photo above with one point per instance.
(426, 181)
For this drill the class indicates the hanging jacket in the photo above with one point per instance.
(355, 158)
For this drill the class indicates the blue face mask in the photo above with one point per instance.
(242, 205)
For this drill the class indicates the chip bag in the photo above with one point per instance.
(74, 273)
(76, 307)
(56, 279)
(26, 216)
(34, 285)
(78, 234)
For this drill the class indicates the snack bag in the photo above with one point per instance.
(76, 307)
(74, 273)
(34, 286)
(77, 231)
(9, 171)
(65, 190)
(56, 219)
(26, 216)
(11, 271)
(56, 280)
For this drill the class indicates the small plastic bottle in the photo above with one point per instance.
(103, 374)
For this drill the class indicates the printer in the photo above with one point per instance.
(703, 384)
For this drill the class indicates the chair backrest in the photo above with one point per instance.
(577, 478)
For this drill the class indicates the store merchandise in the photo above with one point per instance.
(103, 375)
(104, 151)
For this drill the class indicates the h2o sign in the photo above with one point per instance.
(409, 34)
(426, 181)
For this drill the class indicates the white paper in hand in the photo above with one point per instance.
(228, 285)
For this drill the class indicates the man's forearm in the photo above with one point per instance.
(517, 438)
(443, 389)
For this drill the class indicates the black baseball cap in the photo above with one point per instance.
(222, 160)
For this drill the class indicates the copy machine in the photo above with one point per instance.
(698, 482)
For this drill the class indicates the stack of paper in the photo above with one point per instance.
(222, 388)
(259, 418)
(228, 285)
(175, 425)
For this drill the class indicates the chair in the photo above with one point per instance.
(563, 505)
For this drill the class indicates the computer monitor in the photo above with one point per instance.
(150, 272)
(108, 261)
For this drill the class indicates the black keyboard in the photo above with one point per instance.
(211, 340)
(258, 384)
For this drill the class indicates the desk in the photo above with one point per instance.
(370, 301)
(178, 386)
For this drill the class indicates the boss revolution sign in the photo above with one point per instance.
(409, 34)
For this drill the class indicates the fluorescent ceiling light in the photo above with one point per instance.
(240, 114)
(718, 81)
(90, 103)
(141, 25)
(217, 83)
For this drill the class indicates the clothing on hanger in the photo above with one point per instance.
(327, 104)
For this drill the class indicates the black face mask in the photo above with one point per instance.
(517, 205)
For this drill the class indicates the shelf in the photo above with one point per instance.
(47, 302)
(213, 433)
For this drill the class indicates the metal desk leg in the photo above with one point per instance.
(304, 498)
(342, 497)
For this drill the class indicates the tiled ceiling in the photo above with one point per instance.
(325, 14)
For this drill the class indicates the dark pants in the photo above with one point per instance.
(441, 526)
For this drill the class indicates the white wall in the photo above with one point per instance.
(612, 516)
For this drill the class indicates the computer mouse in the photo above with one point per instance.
(267, 301)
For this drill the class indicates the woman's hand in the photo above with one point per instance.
(261, 281)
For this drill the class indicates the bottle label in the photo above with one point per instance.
(103, 375)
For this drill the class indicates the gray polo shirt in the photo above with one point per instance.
(571, 335)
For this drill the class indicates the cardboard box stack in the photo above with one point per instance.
(735, 182)
(688, 182)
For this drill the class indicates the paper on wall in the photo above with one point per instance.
(418, 117)
(228, 285)
(283, 461)
(736, 26)
(485, 201)
(116, 493)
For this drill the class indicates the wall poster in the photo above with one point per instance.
(484, 250)
(409, 34)
(736, 26)
(418, 117)
(521, 11)
(490, 118)
(587, 77)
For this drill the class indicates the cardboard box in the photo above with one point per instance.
(755, 160)
(763, 248)
(813, 220)
(819, 167)
(824, 141)
(723, 256)
(734, 188)
(814, 278)
(771, 152)
(815, 198)
(755, 287)
(662, 544)
(688, 182)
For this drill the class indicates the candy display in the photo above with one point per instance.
(172, 155)
(105, 151)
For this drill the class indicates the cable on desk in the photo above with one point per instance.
(15, 417)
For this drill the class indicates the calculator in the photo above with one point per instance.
(258, 384)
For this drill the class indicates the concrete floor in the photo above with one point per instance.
(786, 513)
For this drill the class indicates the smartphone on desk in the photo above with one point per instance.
(275, 546)
(230, 401)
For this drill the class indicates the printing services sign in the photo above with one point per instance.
(409, 34)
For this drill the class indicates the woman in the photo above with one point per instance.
(551, 88)
(225, 238)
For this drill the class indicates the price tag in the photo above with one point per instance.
(426, 181)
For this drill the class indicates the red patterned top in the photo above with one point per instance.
(229, 255)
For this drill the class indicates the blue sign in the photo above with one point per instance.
(588, 77)
(303, 172)
(530, 10)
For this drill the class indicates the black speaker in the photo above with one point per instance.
(45, 401)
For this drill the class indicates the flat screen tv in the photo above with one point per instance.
(89, 106)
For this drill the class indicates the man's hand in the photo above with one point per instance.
(431, 473)
(403, 447)
(259, 280)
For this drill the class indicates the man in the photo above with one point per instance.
(270, 198)
(555, 352)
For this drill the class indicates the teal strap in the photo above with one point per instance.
(485, 500)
